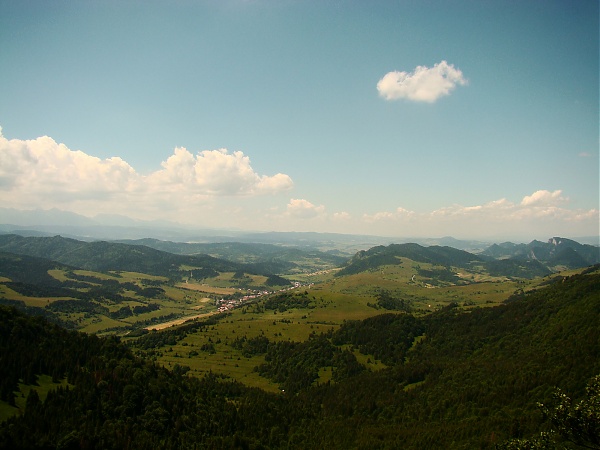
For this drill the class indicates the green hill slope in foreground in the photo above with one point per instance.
(453, 380)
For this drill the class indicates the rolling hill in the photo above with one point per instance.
(267, 257)
(453, 380)
(556, 253)
(103, 256)
(536, 259)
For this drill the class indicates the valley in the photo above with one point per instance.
(361, 335)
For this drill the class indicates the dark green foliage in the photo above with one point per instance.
(121, 313)
(239, 275)
(171, 336)
(103, 256)
(275, 280)
(295, 365)
(387, 337)
(473, 380)
(119, 401)
(264, 258)
(524, 264)
(206, 272)
(28, 269)
(380, 256)
(517, 268)
(439, 275)
(577, 423)
(386, 301)
(32, 290)
(570, 424)
(142, 309)
(287, 300)
(76, 306)
(208, 347)
(250, 347)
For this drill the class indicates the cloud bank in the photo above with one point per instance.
(43, 173)
(424, 84)
(218, 188)
(303, 209)
(543, 212)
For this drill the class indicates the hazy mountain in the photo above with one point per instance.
(274, 258)
(381, 255)
(103, 256)
(556, 252)
(519, 266)
(117, 227)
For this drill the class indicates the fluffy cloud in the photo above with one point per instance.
(43, 168)
(424, 84)
(303, 209)
(341, 216)
(215, 172)
(42, 173)
(542, 212)
(544, 198)
(399, 214)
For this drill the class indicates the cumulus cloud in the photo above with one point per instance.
(303, 209)
(544, 198)
(45, 168)
(42, 173)
(215, 172)
(341, 216)
(424, 84)
(398, 214)
(542, 212)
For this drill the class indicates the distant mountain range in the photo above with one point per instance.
(116, 227)
(270, 257)
(167, 258)
(156, 257)
(555, 252)
(515, 260)
(103, 256)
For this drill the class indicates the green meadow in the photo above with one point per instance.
(332, 301)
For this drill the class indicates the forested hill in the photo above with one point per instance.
(277, 258)
(103, 256)
(379, 256)
(556, 251)
(454, 380)
(385, 255)
(535, 259)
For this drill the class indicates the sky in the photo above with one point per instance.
(424, 118)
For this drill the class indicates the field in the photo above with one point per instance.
(130, 304)
(332, 301)
(44, 385)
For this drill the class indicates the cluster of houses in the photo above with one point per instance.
(228, 304)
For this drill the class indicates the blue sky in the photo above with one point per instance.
(473, 119)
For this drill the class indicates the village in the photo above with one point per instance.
(227, 304)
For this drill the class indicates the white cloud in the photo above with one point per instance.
(43, 168)
(303, 209)
(341, 216)
(424, 84)
(215, 172)
(544, 198)
(217, 188)
(398, 214)
(41, 173)
(543, 212)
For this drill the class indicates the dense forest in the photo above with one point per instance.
(453, 380)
